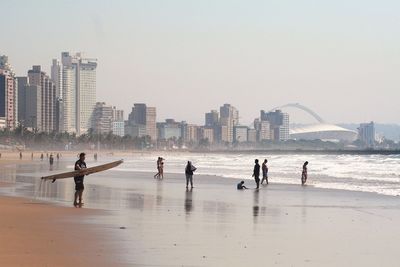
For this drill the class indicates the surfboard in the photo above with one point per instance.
(86, 171)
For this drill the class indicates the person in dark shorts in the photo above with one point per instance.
(241, 186)
(256, 173)
(189, 170)
(79, 187)
(264, 168)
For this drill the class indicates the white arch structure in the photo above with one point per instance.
(304, 108)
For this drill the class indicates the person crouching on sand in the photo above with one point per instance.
(256, 173)
(79, 187)
(241, 186)
(189, 170)
(304, 173)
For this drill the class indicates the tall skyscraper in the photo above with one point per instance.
(229, 117)
(102, 118)
(212, 118)
(78, 90)
(29, 104)
(48, 115)
(151, 124)
(8, 94)
(366, 134)
(56, 76)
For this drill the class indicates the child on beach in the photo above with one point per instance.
(241, 186)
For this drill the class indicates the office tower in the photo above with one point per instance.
(118, 114)
(366, 134)
(78, 89)
(29, 104)
(56, 76)
(8, 95)
(142, 117)
(102, 118)
(151, 127)
(212, 118)
(278, 123)
(48, 104)
(229, 117)
(8, 99)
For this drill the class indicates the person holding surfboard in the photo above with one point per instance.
(79, 187)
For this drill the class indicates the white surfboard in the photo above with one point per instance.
(86, 171)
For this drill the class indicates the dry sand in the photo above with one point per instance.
(38, 234)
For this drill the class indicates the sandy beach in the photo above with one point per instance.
(40, 234)
(141, 221)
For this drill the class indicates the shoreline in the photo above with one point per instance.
(132, 219)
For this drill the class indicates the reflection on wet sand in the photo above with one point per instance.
(188, 201)
(256, 207)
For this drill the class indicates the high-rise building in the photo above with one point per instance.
(366, 134)
(151, 124)
(102, 118)
(78, 89)
(118, 114)
(212, 118)
(48, 98)
(141, 117)
(278, 123)
(8, 94)
(207, 133)
(229, 117)
(8, 105)
(29, 104)
(56, 76)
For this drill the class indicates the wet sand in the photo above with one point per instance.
(160, 223)
(278, 225)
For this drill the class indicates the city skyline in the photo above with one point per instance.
(150, 52)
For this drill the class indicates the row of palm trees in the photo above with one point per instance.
(32, 139)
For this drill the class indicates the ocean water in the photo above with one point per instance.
(367, 173)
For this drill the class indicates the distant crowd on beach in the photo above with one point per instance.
(190, 169)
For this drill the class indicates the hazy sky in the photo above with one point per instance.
(341, 58)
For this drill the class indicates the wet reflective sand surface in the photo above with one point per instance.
(160, 223)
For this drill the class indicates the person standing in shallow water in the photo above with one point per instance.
(189, 170)
(304, 173)
(264, 171)
(256, 173)
(157, 175)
